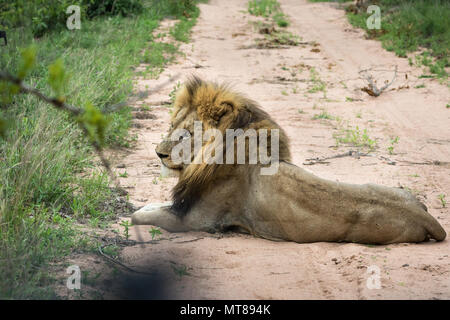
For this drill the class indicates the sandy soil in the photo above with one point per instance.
(234, 266)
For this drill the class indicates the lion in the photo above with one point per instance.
(290, 205)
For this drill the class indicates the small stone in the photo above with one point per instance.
(336, 261)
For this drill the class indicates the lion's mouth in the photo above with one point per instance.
(168, 172)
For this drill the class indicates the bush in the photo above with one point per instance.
(407, 26)
(112, 7)
(41, 16)
(176, 8)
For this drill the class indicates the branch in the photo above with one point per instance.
(351, 153)
(74, 111)
(100, 250)
(372, 88)
(25, 89)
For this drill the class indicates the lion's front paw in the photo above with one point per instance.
(145, 214)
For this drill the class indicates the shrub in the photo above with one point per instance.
(41, 16)
(113, 7)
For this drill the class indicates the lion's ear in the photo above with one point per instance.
(232, 116)
(222, 110)
(242, 119)
(213, 114)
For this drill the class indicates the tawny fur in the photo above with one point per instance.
(216, 106)
(292, 204)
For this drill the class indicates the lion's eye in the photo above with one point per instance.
(186, 135)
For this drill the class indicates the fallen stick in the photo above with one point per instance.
(351, 153)
(100, 250)
(372, 88)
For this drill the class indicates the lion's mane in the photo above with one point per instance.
(219, 107)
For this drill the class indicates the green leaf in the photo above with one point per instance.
(27, 62)
(7, 90)
(95, 122)
(154, 232)
(57, 78)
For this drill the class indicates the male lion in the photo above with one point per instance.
(291, 204)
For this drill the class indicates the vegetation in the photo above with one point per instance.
(317, 83)
(181, 30)
(42, 16)
(49, 178)
(441, 198)
(392, 142)
(355, 137)
(263, 8)
(410, 26)
(155, 232)
(268, 8)
(323, 115)
(126, 228)
(340, 1)
(274, 37)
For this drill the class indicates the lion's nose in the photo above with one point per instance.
(162, 155)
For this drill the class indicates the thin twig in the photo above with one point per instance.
(100, 250)
(196, 239)
(26, 89)
(423, 163)
(372, 88)
(351, 153)
(74, 111)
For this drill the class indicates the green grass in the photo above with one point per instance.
(323, 115)
(280, 19)
(393, 142)
(180, 271)
(441, 198)
(49, 176)
(340, 1)
(157, 56)
(355, 137)
(317, 83)
(407, 26)
(181, 31)
(268, 8)
(155, 232)
(263, 8)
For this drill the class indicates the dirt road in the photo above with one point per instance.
(318, 77)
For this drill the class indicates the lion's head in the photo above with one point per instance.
(216, 107)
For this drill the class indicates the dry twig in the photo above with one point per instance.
(351, 153)
(372, 88)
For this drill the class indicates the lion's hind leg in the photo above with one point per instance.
(160, 215)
